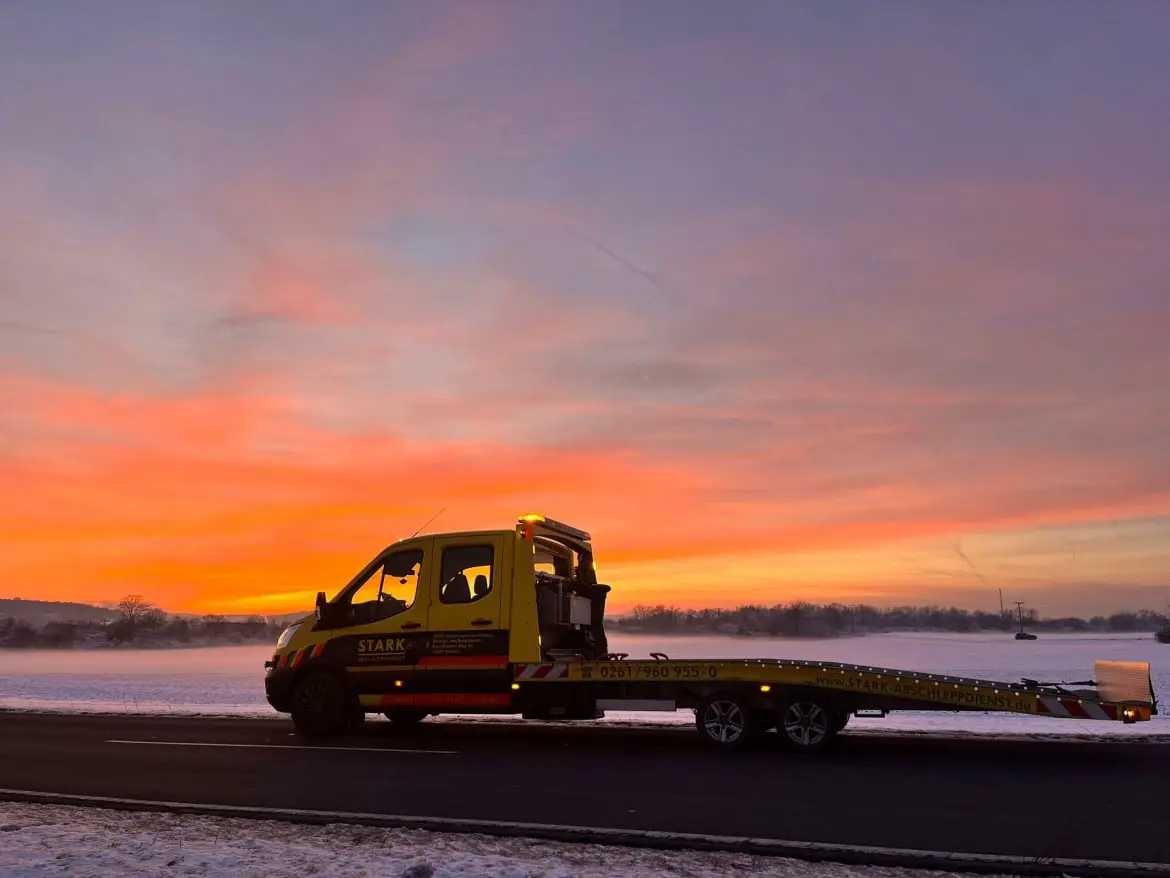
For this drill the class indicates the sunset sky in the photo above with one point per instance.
(858, 301)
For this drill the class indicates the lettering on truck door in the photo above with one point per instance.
(466, 604)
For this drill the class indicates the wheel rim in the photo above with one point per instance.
(806, 723)
(724, 721)
(317, 699)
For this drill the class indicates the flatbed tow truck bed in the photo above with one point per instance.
(532, 642)
(869, 687)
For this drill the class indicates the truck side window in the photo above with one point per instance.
(466, 574)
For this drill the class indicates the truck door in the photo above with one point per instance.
(467, 599)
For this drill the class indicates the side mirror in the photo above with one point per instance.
(320, 610)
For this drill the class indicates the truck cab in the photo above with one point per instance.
(435, 623)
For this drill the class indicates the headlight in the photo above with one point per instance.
(286, 636)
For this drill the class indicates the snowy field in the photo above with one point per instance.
(228, 681)
(41, 840)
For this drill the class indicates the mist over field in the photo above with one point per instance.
(229, 680)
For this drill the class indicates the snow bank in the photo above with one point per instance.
(41, 840)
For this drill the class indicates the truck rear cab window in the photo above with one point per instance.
(466, 574)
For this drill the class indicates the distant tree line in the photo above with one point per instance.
(802, 619)
(138, 623)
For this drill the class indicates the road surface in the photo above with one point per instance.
(1041, 799)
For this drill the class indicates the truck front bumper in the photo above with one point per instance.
(278, 687)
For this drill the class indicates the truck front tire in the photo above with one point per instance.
(320, 705)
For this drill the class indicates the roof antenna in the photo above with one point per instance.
(428, 521)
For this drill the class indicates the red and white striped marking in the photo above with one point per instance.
(541, 672)
(1074, 708)
(293, 659)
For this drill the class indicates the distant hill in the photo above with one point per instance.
(40, 613)
(288, 618)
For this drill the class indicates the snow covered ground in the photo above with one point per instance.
(41, 840)
(228, 681)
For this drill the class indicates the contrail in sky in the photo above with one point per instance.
(959, 551)
(649, 277)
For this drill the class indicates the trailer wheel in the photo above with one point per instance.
(725, 721)
(320, 705)
(840, 720)
(807, 725)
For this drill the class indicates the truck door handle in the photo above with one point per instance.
(481, 621)
(406, 625)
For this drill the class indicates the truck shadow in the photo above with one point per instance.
(851, 747)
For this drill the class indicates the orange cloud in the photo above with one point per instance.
(225, 499)
(187, 498)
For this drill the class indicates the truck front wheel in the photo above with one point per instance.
(320, 705)
(725, 721)
(807, 725)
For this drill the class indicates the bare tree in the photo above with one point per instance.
(136, 613)
(134, 607)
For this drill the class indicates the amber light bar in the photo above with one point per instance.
(553, 526)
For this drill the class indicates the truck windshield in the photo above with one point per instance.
(396, 579)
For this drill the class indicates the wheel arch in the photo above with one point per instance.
(829, 698)
(339, 671)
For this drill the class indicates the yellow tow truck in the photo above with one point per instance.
(512, 622)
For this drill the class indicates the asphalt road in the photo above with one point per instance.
(1042, 799)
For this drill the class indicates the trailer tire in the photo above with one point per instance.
(807, 724)
(320, 705)
(840, 719)
(725, 721)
